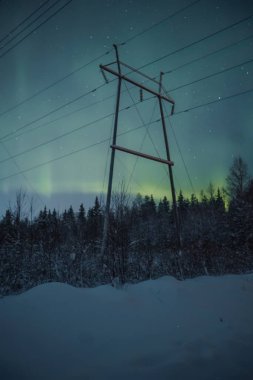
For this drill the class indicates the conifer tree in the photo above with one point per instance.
(81, 225)
(237, 179)
(94, 222)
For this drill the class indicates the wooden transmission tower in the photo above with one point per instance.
(161, 97)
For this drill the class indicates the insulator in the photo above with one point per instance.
(141, 95)
(104, 76)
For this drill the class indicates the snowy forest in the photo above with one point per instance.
(216, 238)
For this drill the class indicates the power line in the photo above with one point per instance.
(180, 153)
(5, 138)
(147, 132)
(54, 159)
(12, 135)
(58, 118)
(141, 146)
(53, 111)
(213, 101)
(23, 21)
(147, 64)
(128, 107)
(126, 169)
(101, 56)
(55, 83)
(67, 133)
(31, 23)
(187, 84)
(93, 60)
(36, 28)
(160, 22)
(196, 42)
(141, 119)
(120, 134)
(68, 154)
(56, 138)
(208, 54)
(90, 92)
(166, 177)
(192, 108)
(212, 75)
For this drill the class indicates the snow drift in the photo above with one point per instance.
(163, 329)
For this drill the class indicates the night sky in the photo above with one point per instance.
(203, 140)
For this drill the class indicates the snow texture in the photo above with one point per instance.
(159, 329)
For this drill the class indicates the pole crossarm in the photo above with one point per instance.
(144, 155)
(124, 77)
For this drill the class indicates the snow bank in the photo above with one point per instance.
(163, 329)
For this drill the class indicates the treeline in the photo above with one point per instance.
(216, 238)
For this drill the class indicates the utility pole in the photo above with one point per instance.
(161, 97)
(173, 192)
(114, 140)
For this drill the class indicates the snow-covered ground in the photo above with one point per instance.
(163, 329)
